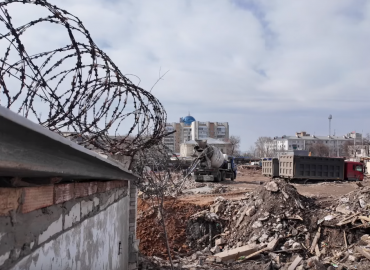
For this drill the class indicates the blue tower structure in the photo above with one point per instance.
(187, 120)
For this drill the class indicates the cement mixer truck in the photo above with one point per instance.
(210, 164)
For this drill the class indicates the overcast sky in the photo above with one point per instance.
(269, 68)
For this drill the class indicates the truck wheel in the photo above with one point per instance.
(223, 174)
(217, 178)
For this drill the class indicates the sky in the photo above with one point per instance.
(269, 68)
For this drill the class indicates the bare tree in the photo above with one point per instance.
(319, 149)
(155, 170)
(264, 147)
(235, 145)
(250, 152)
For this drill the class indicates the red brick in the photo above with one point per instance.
(85, 189)
(122, 184)
(9, 200)
(102, 186)
(109, 185)
(81, 190)
(64, 192)
(93, 188)
(37, 197)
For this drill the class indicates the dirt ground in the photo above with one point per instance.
(247, 181)
(179, 209)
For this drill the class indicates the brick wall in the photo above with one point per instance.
(28, 199)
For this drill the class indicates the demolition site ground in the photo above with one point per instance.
(256, 223)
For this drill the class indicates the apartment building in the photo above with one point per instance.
(303, 141)
(188, 129)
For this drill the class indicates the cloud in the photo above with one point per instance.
(261, 65)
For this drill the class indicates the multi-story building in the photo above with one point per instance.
(304, 141)
(189, 129)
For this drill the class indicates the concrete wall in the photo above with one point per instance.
(82, 232)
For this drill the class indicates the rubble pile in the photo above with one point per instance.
(273, 211)
(276, 224)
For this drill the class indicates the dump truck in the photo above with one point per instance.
(319, 168)
(211, 165)
(270, 167)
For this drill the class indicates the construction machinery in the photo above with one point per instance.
(210, 164)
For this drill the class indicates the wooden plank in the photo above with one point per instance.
(314, 242)
(9, 200)
(64, 192)
(37, 197)
(295, 263)
(363, 252)
(317, 251)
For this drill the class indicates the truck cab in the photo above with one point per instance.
(354, 171)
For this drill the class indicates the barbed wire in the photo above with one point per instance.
(90, 98)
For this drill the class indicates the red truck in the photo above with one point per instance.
(353, 170)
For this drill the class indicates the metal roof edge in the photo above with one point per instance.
(28, 124)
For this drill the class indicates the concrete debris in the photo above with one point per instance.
(281, 229)
(272, 186)
(233, 254)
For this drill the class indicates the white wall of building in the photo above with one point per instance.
(92, 244)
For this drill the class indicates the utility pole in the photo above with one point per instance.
(330, 117)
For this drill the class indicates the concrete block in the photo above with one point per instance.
(86, 208)
(73, 216)
(9, 200)
(64, 192)
(109, 201)
(96, 201)
(232, 254)
(54, 228)
(37, 197)
(4, 257)
(219, 241)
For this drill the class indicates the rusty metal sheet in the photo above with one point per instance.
(37, 197)
(9, 200)
(64, 192)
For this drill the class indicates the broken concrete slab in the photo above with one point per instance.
(233, 254)
(272, 245)
(272, 186)
(343, 209)
(219, 241)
